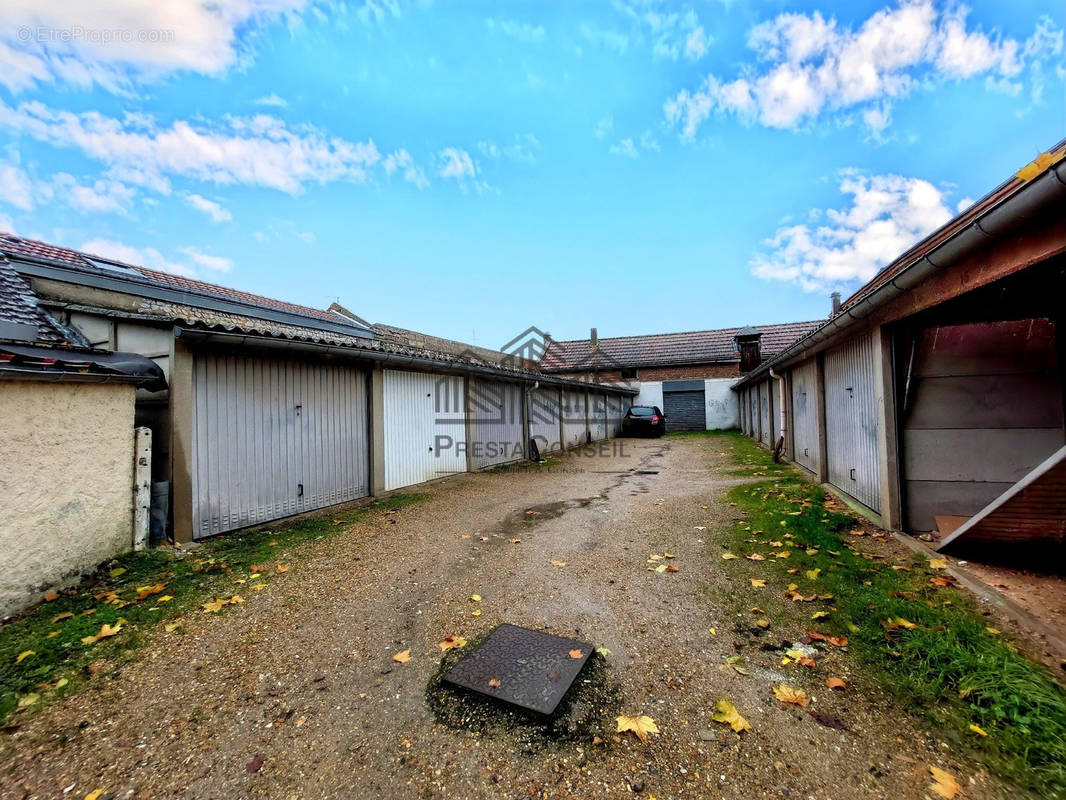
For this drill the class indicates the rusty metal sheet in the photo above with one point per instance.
(534, 669)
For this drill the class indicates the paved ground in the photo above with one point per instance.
(300, 680)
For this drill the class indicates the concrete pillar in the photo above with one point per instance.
(469, 409)
(887, 441)
(819, 418)
(181, 442)
(376, 414)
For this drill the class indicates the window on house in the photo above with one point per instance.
(629, 373)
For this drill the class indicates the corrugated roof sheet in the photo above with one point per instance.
(18, 304)
(666, 349)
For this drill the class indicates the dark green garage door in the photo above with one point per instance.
(683, 405)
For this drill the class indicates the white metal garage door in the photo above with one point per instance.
(851, 421)
(598, 416)
(765, 413)
(496, 422)
(274, 438)
(544, 411)
(804, 415)
(614, 415)
(425, 427)
(574, 423)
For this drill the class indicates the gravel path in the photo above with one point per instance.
(294, 694)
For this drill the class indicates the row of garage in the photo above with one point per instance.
(274, 437)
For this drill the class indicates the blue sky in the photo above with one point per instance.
(468, 168)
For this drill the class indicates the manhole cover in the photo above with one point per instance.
(528, 668)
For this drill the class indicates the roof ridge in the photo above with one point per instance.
(687, 333)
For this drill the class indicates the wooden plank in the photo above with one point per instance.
(925, 499)
(1032, 509)
(991, 348)
(1004, 455)
(987, 401)
(947, 524)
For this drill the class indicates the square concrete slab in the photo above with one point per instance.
(527, 668)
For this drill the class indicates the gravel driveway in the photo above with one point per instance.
(295, 694)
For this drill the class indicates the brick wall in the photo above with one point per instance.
(688, 371)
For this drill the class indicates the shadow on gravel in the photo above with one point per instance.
(588, 710)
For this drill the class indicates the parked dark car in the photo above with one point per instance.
(644, 421)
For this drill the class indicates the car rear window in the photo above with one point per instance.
(641, 411)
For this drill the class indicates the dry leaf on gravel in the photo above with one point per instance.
(835, 683)
(280, 568)
(214, 606)
(938, 563)
(50, 595)
(726, 713)
(789, 694)
(495, 683)
(146, 591)
(756, 557)
(476, 598)
(105, 632)
(763, 623)
(639, 726)
(94, 794)
(757, 583)
(402, 657)
(515, 541)
(944, 784)
(451, 640)
(836, 641)
(672, 568)
(727, 556)
(556, 563)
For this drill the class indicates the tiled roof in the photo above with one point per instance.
(19, 246)
(18, 304)
(665, 349)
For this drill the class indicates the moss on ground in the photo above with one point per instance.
(169, 583)
(915, 632)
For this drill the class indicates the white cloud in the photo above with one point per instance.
(271, 101)
(16, 188)
(604, 127)
(141, 257)
(456, 164)
(115, 43)
(887, 215)
(402, 160)
(808, 66)
(626, 148)
(964, 204)
(671, 31)
(605, 38)
(521, 31)
(524, 149)
(207, 261)
(253, 151)
(103, 196)
(6, 225)
(209, 207)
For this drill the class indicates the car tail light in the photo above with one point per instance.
(654, 417)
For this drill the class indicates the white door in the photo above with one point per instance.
(425, 427)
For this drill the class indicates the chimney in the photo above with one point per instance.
(835, 298)
(594, 340)
(746, 341)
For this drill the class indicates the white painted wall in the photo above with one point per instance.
(651, 394)
(723, 410)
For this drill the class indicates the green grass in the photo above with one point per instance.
(949, 667)
(219, 568)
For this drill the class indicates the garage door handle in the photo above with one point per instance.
(853, 473)
(806, 451)
(299, 490)
(431, 448)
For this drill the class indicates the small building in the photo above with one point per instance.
(688, 375)
(272, 408)
(936, 394)
(67, 448)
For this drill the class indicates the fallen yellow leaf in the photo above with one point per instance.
(280, 568)
(812, 574)
(402, 657)
(944, 784)
(756, 557)
(757, 583)
(93, 795)
(979, 730)
(61, 617)
(476, 612)
(451, 640)
(104, 632)
(726, 713)
(29, 699)
(24, 655)
(476, 598)
(556, 563)
(789, 694)
(835, 683)
(938, 563)
(639, 726)
(727, 556)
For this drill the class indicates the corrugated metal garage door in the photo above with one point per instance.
(753, 410)
(544, 418)
(274, 438)
(574, 418)
(765, 413)
(805, 415)
(684, 405)
(496, 422)
(425, 427)
(614, 415)
(598, 416)
(851, 421)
